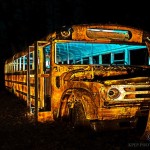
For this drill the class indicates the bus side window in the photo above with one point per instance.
(25, 62)
(106, 58)
(96, 59)
(86, 60)
(47, 57)
(15, 65)
(141, 57)
(31, 61)
(47, 62)
(119, 58)
(22, 63)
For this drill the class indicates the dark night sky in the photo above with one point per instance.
(24, 21)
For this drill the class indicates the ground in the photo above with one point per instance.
(17, 131)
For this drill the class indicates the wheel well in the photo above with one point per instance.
(71, 96)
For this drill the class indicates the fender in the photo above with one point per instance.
(71, 96)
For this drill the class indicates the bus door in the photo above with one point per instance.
(30, 77)
(47, 85)
(43, 83)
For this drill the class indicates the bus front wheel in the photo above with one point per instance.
(77, 116)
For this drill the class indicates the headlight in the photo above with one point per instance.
(66, 32)
(113, 93)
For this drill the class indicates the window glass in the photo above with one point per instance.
(25, 62)
(96, 59)
(139, 57)
(22, 63)
(106, 59)
(31, 61)
(47, 57)
(119, 58)
(98, 53)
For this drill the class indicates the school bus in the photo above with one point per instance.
(87, 74)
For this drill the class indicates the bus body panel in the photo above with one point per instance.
(95, 65)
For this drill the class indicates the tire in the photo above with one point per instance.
(77, 116)
(74, 117)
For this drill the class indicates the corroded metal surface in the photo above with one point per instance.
(107, 92)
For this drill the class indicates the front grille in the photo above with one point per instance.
(133, 92)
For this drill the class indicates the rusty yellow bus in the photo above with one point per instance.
(87, 74)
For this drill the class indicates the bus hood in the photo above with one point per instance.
(105, 73)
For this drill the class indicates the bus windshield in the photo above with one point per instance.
(100, 53)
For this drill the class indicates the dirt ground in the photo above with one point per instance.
(18, 132)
